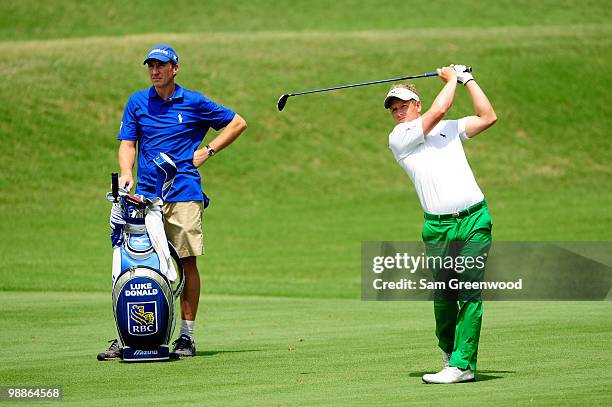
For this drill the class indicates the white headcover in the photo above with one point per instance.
(155, 229)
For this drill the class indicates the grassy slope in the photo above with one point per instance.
(274, 351)
(31, 19)
(305, 186)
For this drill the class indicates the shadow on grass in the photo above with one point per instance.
(481, 375)
(198, 353)
(144, 361)
(217, 352)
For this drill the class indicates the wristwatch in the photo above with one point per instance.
(211, 151)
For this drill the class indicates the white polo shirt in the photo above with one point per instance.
(437, 165)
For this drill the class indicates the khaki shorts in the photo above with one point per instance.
(183, 225)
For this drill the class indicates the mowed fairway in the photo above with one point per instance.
(280, 322)
(295, 351)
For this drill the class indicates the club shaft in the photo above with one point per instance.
(366, 83)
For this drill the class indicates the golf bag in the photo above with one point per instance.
(145, 279)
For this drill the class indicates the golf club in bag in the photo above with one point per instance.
(145, 279)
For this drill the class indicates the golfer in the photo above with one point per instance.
(457, 222)
(174, 120)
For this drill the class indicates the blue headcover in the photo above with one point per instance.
(166, 171)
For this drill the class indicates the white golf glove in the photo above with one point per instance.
(463, 76)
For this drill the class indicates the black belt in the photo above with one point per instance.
(459, 214)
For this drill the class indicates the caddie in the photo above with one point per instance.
(167, 118)
(457, 222)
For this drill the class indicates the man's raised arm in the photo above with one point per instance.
(485, 115)
(443, 101)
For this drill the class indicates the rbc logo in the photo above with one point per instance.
(142, 319)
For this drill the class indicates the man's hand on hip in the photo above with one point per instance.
(199, 157)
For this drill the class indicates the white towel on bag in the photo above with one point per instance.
(155, 228)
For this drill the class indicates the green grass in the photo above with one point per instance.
(29, 19)
(295, 196)
(285, 352)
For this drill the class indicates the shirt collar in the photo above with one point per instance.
(178, 93)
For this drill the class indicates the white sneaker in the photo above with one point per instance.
(446, 359)
(449, 375)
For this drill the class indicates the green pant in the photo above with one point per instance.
(458, 312)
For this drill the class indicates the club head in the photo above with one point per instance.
(282, 101)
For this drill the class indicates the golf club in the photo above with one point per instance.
(115, 186)
(282, 101)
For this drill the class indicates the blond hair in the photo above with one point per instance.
(408, 86)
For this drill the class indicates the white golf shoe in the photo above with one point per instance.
(446, 359)
(449, 375)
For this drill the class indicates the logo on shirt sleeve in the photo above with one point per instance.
(180, 118)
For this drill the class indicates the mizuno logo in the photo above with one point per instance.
(180, 117)
(140, 241)
(145, 352)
